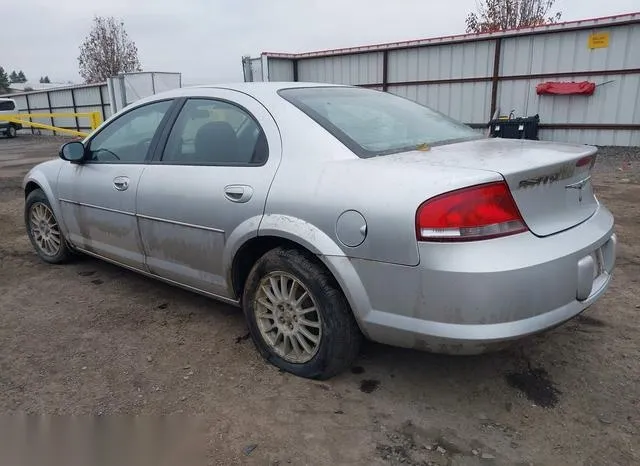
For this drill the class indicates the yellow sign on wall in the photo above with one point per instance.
(599, 40)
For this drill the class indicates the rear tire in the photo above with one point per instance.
(11, 132)
(307, 328)
(44, 230)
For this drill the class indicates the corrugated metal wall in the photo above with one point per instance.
(349, 69)
(458, 76)
(280, 70)
(468, 60)
(76, 99)
(468, 102)
(617, 97)
(127, 88)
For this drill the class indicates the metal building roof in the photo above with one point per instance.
(60, 87)
(592, 23)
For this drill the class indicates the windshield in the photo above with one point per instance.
(373, 123)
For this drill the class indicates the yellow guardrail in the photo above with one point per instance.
(95, 119)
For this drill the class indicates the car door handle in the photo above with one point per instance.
(121, 183)
(238, 193)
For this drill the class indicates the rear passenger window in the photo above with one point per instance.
(7, 105)
(213, 132)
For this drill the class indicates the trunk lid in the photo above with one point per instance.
(550, 182)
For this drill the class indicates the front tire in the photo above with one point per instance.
(44, 230)
(298, 317)
(11, 132)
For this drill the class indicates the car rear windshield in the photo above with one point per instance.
(373, 123)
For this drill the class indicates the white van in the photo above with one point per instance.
(7, 128)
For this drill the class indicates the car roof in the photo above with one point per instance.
(262, 86)
(264, 92)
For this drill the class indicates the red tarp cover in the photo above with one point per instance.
(559, 88)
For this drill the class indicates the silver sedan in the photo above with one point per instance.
(329, 213)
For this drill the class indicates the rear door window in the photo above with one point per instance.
(215, 132)
(7, 105)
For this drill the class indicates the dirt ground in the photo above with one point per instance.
(90, 338)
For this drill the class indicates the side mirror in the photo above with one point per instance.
(72, 152)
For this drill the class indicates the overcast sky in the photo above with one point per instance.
(205, 39)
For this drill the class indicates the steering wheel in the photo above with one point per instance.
(107, 151)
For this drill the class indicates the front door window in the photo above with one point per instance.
(127, 139)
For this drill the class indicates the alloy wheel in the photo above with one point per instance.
(45, 229)
(288, 318)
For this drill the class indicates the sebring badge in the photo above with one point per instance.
(565, 172)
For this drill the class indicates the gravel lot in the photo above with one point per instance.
(90, 338)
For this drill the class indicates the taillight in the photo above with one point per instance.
(474, 213)
(589, 160)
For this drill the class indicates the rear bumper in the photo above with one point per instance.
(466, 297)
(440, 337)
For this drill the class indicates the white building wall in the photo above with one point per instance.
(88, 98)
(466, 60)
(61, 100)
(466, 102)
(356, 69)
(615, 101)
(280, 70)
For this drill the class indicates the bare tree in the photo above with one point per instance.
(497, 15)
(107, 51)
